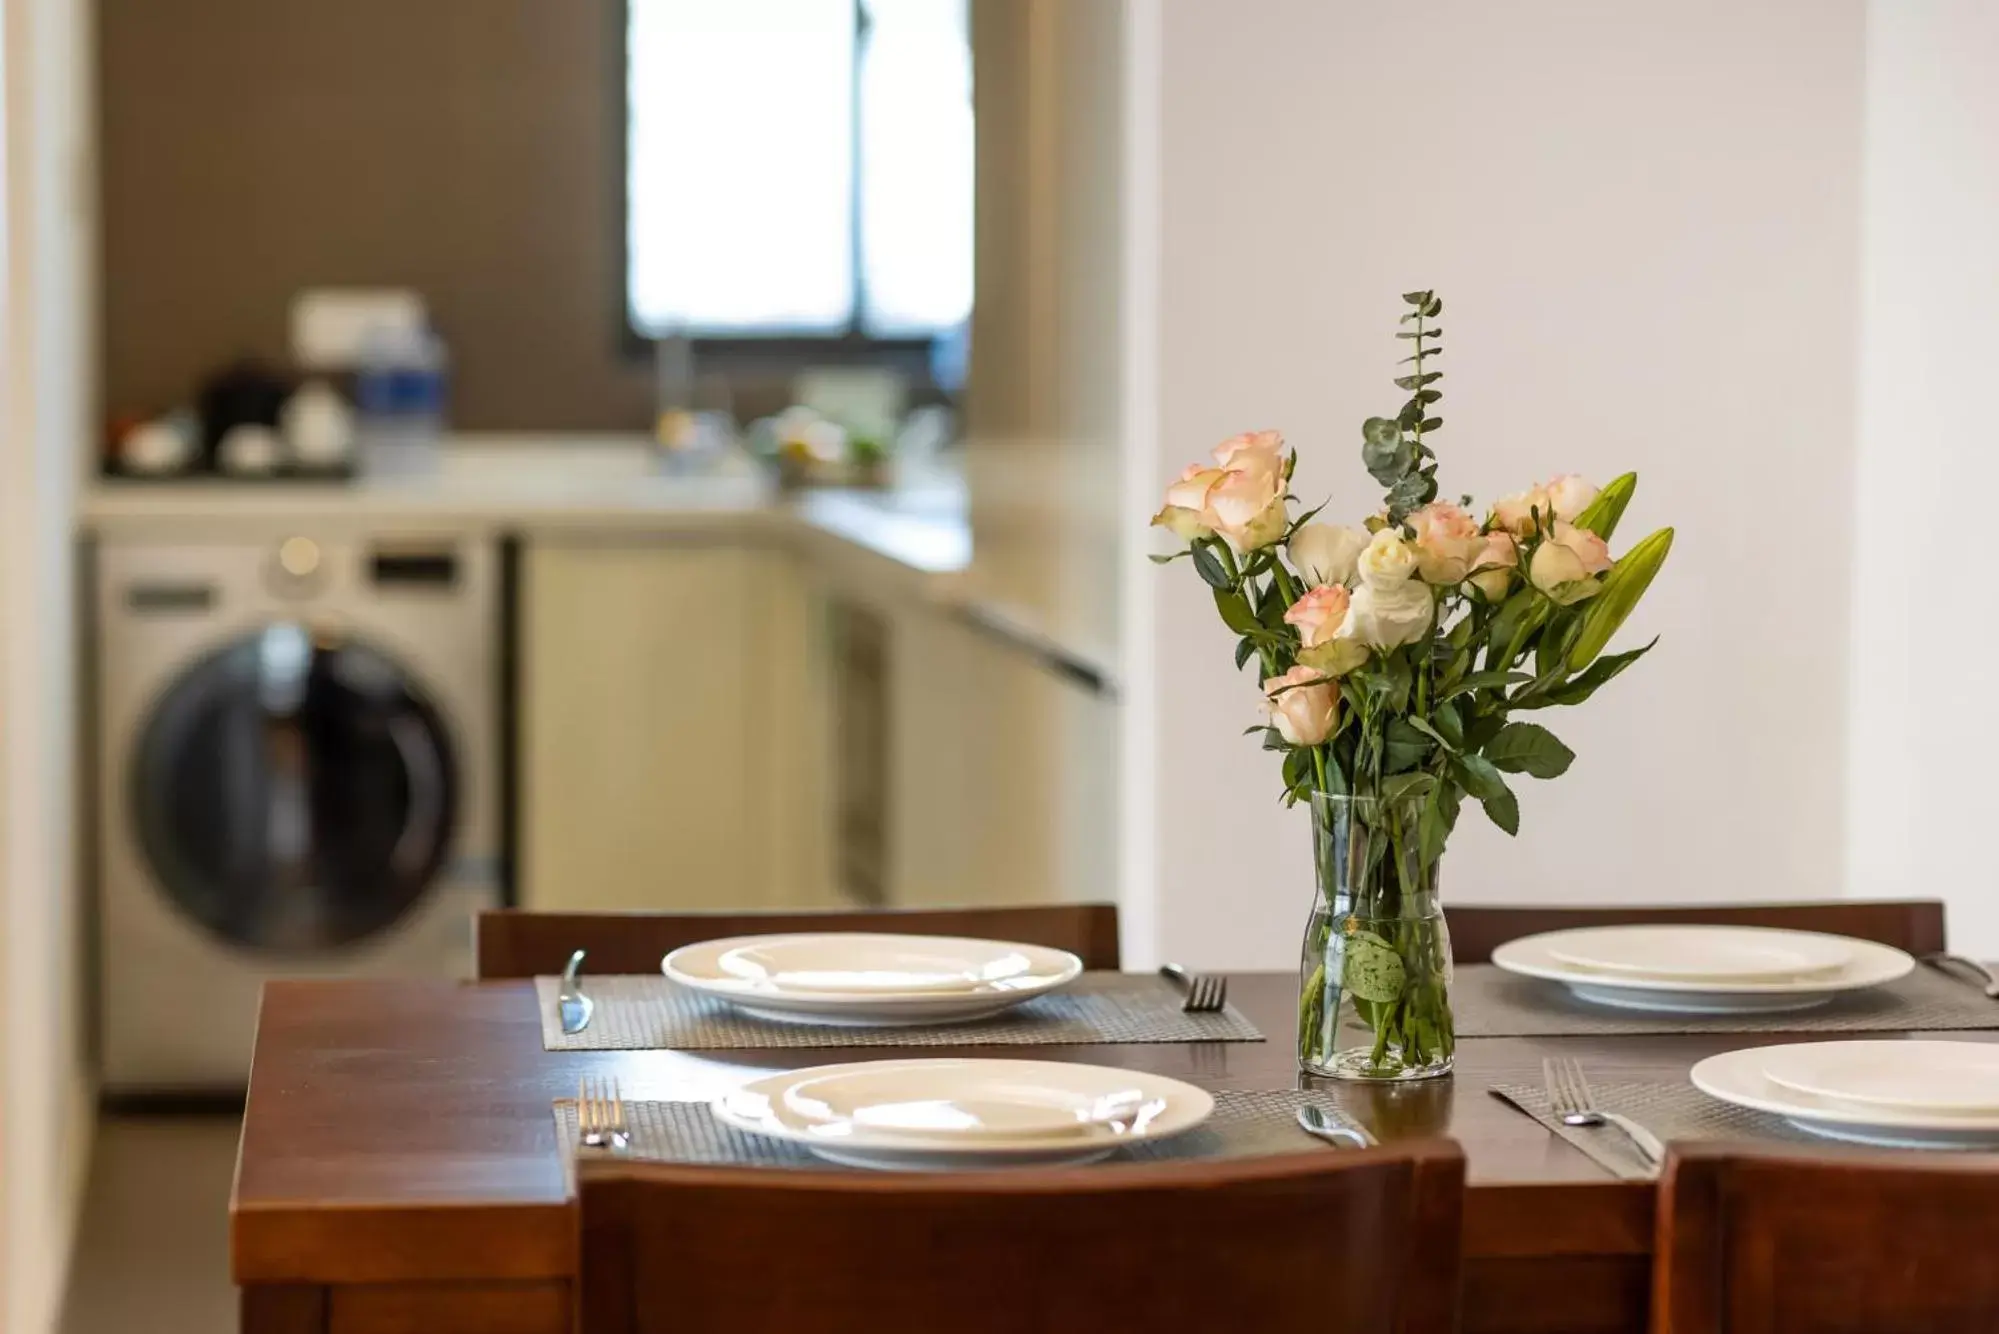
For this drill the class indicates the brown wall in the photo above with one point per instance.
(465, 148)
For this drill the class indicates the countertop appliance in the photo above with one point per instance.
(298, 775)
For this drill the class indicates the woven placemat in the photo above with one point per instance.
(650, 1013)
(1490, 1003)
(1670, 1111)
(1245, 1125)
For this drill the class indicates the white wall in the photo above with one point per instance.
(1921, 783)
(45, 410)
(1643, 220)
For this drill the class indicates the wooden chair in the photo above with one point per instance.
(1325, 1242)
(1915, 925)
(513, 943)
(1785, 1243)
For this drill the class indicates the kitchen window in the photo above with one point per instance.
(798, 169)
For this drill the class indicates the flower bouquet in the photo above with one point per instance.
(1395, 659)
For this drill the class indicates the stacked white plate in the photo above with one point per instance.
(1905, 1094)
(1703, 969)
(868, 979)
(952, 1114)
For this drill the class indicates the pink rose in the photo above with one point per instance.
(1447, 542)
(1246, 505)
(1186, 513)
(1566, 563)
(1492, 573)
(1569, 495)
(1254, 449)
(1301, 705)
(1319, 615)
(1516, 513)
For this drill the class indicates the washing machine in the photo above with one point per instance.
(298, 775)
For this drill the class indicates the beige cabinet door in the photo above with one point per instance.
(1003, 775)
(669, 757)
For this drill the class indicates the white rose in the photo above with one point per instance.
(1569, 495)
(1384, 616)
(1387, 561)
(1325, 552)
(1564, 565)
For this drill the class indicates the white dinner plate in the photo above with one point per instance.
(1702, 953)
(954, 1114)
(1921, 1075)
(870, 980)
(1738, 1077)
(1867, 965)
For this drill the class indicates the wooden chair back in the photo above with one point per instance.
(1766, 1243)
(510, 942)
(1320, 1242)
(1915, 925)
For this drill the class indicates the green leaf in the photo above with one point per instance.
(1384, 450)
(1504, 811)
(1430, 729)
(1245, 649)
(1274, 739)
(1429, 396)
(1434, 308)
(1479, 776)
(1211, 570)
(1440, 817)
(1297, 767)
(1449, 724)
(1416, 298)
(1600, 516)
(1493, 680)
(1406, 787)
(1433, 423)
(1235, 612)
(1403, 746)
(1336, 777)
(1166, 560)
(1529, 748)
(1622, 588)
(1371, 969)
(1418, 381)
(1411, 494)
(1411, 416)
(1600, 673)
(1391, 683)
(1554, 642)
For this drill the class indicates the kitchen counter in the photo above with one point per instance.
(910, 544)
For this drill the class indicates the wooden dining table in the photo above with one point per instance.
(399, 1167)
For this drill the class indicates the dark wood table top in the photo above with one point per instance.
(403, 1130)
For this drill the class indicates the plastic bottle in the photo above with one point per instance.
(400, 393)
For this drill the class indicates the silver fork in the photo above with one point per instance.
(1944, 962)
(1570, 1099)
(1205, 993)
(600, 1115)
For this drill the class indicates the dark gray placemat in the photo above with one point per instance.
(1670, 1111)
(1245, 1125)
(650, 1013)
(1490, 1003)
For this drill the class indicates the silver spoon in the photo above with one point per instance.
(1333, 1127)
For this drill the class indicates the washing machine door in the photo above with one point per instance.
(294, 791)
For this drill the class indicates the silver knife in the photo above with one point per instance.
(570, 1003)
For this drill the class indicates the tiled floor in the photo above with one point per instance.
(152, 1249)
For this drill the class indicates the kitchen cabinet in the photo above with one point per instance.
(1002, 774)
(671, 751)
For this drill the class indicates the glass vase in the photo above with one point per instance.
(1375, 971)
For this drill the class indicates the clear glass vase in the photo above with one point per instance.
(1375, 971)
